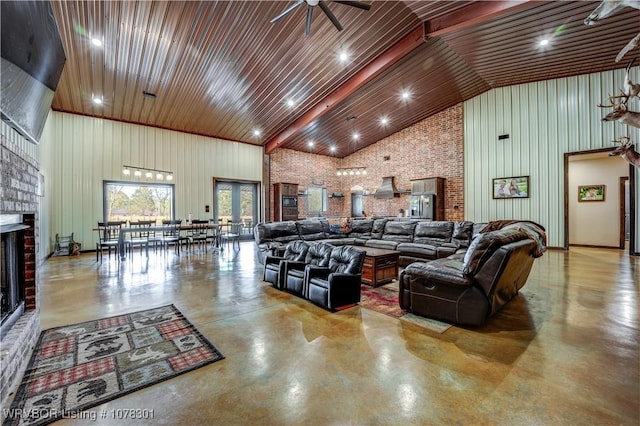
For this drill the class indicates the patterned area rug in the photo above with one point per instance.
(384, 299)
(80, 366)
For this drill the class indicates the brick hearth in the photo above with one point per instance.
(19, 195)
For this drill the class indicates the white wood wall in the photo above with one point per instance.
(544, 120)
(81, 152)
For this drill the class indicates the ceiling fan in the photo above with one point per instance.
(323, 5)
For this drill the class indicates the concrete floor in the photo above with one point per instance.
(565, 351)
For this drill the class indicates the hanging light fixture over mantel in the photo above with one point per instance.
(351, 171)
(139, 172)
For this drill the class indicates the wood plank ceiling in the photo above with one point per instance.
(221, 69)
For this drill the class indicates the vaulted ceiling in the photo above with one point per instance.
(222, 69)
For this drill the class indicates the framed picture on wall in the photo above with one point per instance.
(591, 193)
(511, 187)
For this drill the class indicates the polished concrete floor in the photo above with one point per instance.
(564, 352)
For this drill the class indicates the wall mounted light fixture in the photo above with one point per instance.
(148, 173)
(351, 171)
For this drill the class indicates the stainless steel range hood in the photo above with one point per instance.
(387, 189)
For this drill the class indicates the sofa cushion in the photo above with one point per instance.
(442, 271)
(339, 240)
(484, 245)
(477, 228)
(400, 231)
(361, 228)
(318, 254)
(296, 250)
(347, 260)
(433, 232)
(383, 244)
(276, 231)
(424, 251)
(378, 227)
(461, 236)
(313, 229)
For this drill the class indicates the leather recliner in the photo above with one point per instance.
(294, 271)
(468, 288)
(337, 285)
(275, 266)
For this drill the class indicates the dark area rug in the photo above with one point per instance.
(384, 299)
(83, 365)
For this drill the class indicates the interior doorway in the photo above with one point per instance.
(604, 221)
(625, 211)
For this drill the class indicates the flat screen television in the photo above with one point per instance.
(32, 61)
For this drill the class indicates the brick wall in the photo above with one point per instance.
(19, 194)
(430, 148)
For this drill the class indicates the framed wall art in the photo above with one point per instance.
(511, 187)
(591, 193)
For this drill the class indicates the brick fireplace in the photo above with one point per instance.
(19, 210)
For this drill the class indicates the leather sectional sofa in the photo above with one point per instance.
(468, 288)
(415, 240)
(461, 272)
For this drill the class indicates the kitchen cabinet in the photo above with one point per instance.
(285, 201)
(427, 198)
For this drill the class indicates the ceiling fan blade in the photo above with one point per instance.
(307, 24)
(358, 4)
(330, 15)
(287, 11)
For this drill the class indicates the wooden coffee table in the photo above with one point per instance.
(380, 266)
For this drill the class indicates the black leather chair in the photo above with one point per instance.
(338, 285)
(274, 265)
(294, 271)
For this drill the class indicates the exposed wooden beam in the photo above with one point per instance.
(473, 14)
(396, 52)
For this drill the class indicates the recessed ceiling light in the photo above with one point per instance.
(97, 100)
(290, 103)
(405, 95)
(332, 149)
(384, 121)
(544, 42)
(343, 56)
(96, 42)
(355, 136)
(311, 144)
(256, 132)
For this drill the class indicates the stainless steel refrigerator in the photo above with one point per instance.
(423, 206)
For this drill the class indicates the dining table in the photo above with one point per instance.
(164, 228)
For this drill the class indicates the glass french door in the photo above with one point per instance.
(237, 202)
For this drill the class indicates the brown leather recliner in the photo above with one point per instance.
(469, 288)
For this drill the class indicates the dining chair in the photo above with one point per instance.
(139, 237)
(199, 233)
(171, 234)
(231, 235)
(108, 233)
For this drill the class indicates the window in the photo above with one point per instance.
(316, 201)
(133, 201)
